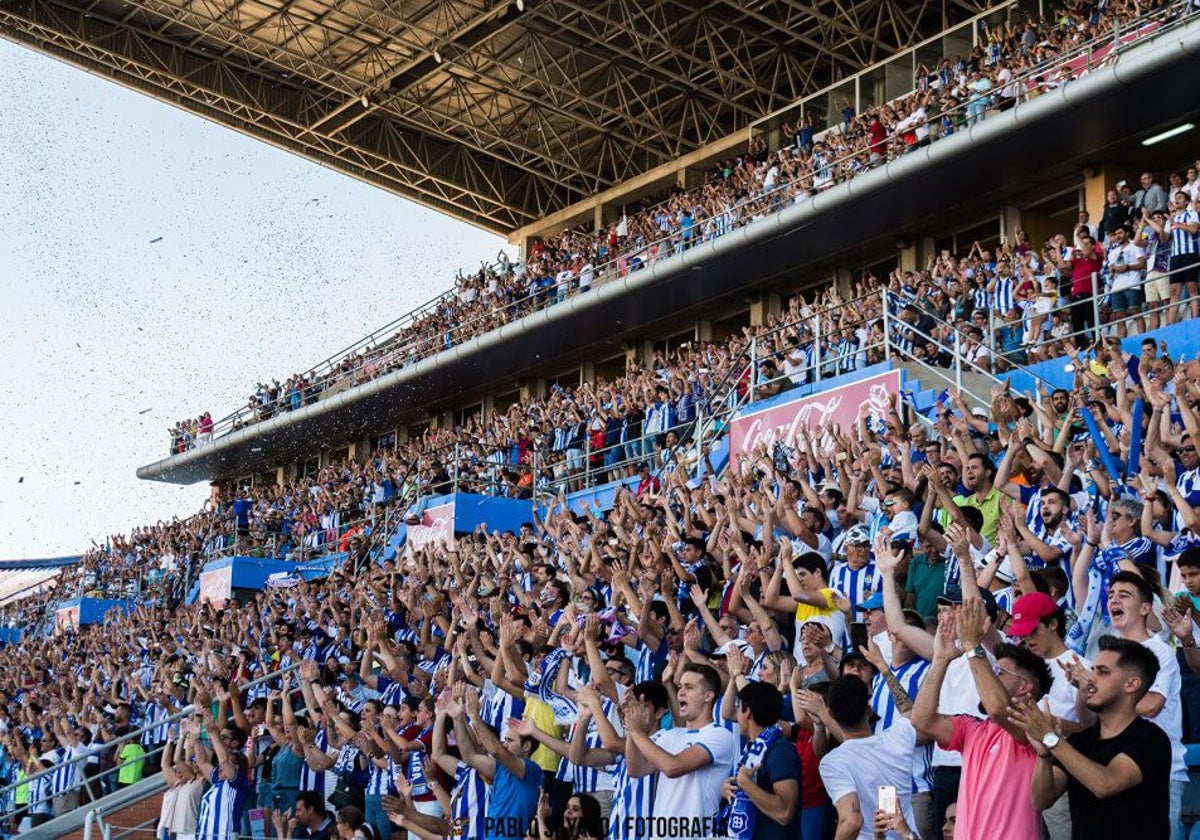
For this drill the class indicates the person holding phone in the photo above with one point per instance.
(864, 762)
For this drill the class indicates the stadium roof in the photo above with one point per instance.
(497, 112)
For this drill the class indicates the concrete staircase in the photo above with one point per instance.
(925, 383)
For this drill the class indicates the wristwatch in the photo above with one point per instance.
(977, 652)
(1050, 740)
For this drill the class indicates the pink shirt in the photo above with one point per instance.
(993, 799)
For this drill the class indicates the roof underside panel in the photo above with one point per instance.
(493, 111)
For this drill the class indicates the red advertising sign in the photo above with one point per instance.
(436, 528)
(216, 587)
(837, 405)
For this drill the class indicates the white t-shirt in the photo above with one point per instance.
(959, 697)
(1117, 259)
(695, 795)
(1169, 684)
(1062, 693)
(862, 765)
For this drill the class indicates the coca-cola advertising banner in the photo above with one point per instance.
(780, 423)
(436, 528)
(216, 587)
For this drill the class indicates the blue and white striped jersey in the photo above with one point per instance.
(910, 675)
(633, 801)
(309, 778)
(221, 808)
(468, 803)
(856, 584)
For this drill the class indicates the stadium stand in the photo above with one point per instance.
(1015, 64)
(809, 580)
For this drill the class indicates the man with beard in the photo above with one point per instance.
(1040, 533)
(1115, 771)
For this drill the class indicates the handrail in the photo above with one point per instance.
(1096, 300)
(772, 201)
(970, 24)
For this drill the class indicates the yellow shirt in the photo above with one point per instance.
(829, 615)
(543, 718)
(807, 612)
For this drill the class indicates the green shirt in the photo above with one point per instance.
(925, 582)
(132, 772)
(989, 506)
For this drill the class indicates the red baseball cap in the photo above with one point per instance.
(1028, 611)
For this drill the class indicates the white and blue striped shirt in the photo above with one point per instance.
(633, 803)
(310, 779)
(910, 675)
(468, 803)
(1002, 295)
(856, 584)
(64, 776)
(1183, 242)
(221, 808)
(155, 712)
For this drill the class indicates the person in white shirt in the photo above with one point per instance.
(693, 759)
(1125, 262)
(854, 771)
(1130, 604)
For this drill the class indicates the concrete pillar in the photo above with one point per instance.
(533, 389)
(843, 279)
(281, 475)
(402, 434)
(1010, 222)
(1097, 181)
(764, 307)
(598, 217)
(489, 406)
(587, 371)
(909, 259)
(704, 330)
(356, 448)
(926, 250)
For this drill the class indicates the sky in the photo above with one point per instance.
(267, 264)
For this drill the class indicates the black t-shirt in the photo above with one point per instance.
(781, 763)
(1142, 811)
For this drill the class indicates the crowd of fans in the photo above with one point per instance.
(188, 434)
(977, 625)
(1010, 63)
(889, 629)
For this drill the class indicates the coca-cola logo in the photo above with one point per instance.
(437, 527)
(837, 406)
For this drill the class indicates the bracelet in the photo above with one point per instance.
(1190, 643)
(1092, 544)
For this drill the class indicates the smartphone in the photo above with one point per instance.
(858, 635)
(887, 799)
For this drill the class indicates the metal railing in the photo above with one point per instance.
(1075, 61)
(86, 785)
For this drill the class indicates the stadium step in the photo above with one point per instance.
(125, 808)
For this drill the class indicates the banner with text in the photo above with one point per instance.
(779, 423)
(436, 528)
